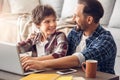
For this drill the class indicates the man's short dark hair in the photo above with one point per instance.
(92, 8)
(40, 12)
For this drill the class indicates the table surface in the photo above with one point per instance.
(79, 75)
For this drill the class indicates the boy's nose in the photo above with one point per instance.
(53, 24)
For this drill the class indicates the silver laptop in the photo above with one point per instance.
(10, 59)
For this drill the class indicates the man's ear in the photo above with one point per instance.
(89, 19)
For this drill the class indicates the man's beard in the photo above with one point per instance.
(78, 28)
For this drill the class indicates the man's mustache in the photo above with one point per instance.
(77, 27)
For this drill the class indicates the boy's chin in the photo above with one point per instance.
(51, 32)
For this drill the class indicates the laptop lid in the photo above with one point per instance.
(10, 59)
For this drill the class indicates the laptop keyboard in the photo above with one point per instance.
(31, 71)
(28, 71)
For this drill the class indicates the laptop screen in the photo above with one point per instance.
(10, 59)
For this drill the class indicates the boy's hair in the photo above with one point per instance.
(40, 12)
(92, 8)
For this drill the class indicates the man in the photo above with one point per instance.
(88, 40)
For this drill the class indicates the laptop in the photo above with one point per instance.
(10, 59)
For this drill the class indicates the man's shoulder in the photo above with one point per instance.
(106, 34)
(73, 32)
(103, 32)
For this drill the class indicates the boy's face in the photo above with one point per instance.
(48, 25)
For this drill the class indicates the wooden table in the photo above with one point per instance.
(76, 76)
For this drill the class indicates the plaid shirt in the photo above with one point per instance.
(100, 46)
(57, 45)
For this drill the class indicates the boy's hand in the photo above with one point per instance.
(33, 64)
(25, 58)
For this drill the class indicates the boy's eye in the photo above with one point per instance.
(54, 20)
(47, 22)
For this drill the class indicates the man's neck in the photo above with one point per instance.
(91, 29)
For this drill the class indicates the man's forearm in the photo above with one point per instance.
(47, 57)
(64, 62)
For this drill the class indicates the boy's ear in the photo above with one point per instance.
(38, 26)
(89, 19)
